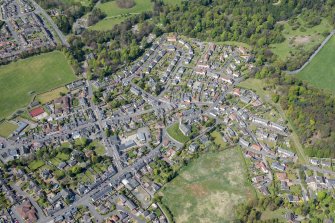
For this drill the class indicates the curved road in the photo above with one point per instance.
(313, 55)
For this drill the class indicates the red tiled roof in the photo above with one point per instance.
(36, 111)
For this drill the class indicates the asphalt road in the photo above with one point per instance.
(51, 22)
(41, 214)
(313, 55)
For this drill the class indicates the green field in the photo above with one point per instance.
(321, 72)
(175, 133)
(21, 80)
(218, 138)
(98, 148)
(116, 15)
(55, 161)
(51, 95)
(112, 9)
(108, 23)
(63, 156)
(208, 188)
(36, 164)
(257, 85)
(306, 38)
(6, 128)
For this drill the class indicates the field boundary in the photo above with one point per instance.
(324, 42)
(29, 82)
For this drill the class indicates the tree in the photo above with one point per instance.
(321, 196)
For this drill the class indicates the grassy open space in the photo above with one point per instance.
(51, 95)
(6, 128)
(269, 215)
(306, 38)
(257, 85)
(55, 161)
(112, 9)
(63, 156)
(36, 164)
(218, 138)
(21, 80)
(208, 188)
(175, 133)
(108, 23)
(116, 15)
(98, 148)
(320, 72)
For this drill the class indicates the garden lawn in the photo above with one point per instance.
(34, 165)
(320, 72)
(175, 133)
(21, 80)
(208, 188)
(55, 161)
(98, 148)
(63, 156)
(218, 139)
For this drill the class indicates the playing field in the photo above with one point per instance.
(306, 38)
(321, 72)
(208, 188)
(21, 80)
(116, 15)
